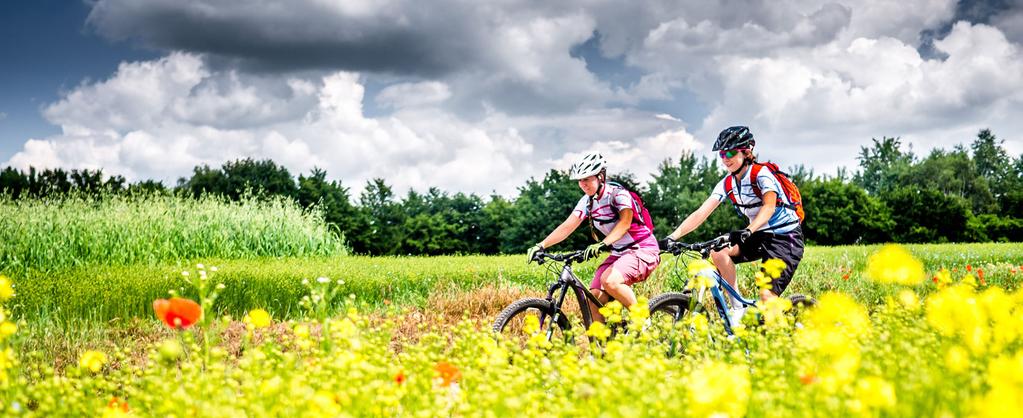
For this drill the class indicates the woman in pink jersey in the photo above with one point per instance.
(616, 213)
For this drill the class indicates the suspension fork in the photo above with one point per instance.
(556, 314)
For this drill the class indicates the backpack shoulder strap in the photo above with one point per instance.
(730, 189)
(754, 171)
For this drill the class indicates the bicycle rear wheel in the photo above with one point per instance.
(526, 318)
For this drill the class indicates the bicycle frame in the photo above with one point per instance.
(719, 298)
(567, 279)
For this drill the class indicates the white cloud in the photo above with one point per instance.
(403, 95)
(833, 98)
(483, 95)
(200, 116)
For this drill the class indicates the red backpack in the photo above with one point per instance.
(787, 186)
(642, 217)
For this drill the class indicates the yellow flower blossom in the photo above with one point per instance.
(599, 331)
(531, 325)
(7, 329)
(957, 359)
(875, 392)
(773, 267)
(893, 264)
(909, 300)
(763, 280)
(774, 312)
(92, 360)
(718, 389)
(6, 288)
(258, 318)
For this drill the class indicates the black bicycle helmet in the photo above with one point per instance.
(736, 137)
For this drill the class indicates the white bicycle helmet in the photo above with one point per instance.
(592, 163)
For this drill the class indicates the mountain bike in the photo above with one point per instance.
(675, 306)
(517, 319)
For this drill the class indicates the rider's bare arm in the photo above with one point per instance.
(624, 222)
(696, 218)
(770, 201)
(562, 231)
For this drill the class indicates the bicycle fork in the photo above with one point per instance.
(556, 311)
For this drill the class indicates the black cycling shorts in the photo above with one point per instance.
(787, 247)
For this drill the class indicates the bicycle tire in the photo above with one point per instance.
(519, 310)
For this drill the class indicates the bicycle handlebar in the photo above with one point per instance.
(716, 244)
(541, 257)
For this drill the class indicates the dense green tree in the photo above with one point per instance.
(541, 207)
(331, 198)
(882, 165)
(954, 174)
(677, 189)
(927, 215)
(843, 213)
(384, 218)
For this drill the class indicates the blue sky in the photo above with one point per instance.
(47, 50)
(477, 97)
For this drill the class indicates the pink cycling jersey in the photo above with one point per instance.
(615, 194)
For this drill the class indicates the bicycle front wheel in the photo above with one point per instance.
(528, 318)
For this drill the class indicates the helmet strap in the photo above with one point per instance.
(602, 179)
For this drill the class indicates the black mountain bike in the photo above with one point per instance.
(675, 306)
(524, 318)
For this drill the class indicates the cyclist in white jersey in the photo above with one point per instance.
(612, 211)
(773, 231)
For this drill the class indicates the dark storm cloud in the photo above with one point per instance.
(290, 36)
(974, 11)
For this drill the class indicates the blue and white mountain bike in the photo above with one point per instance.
(676, 306)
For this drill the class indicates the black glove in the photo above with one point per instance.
(666, 243)
(739, 236)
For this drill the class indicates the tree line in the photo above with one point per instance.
(972, 194)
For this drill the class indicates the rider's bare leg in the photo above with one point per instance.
(614, 284)
(594, 310)
(767, 294)
(723, 261)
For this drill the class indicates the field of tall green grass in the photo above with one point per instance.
(58, 233)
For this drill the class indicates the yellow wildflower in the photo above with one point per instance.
(773, 267)
(969, 280)
(774, 312)
(599, 331)
(943, 278)
(893, 264)
(909, 300)
(875, 392)
(7, 329)
(763, 280)
(532, 325)
(92, 360)
(718, 389)
(258, 318)
(957, 359)
(6, 288)
(699, 266)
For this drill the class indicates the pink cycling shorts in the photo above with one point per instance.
(634, 265)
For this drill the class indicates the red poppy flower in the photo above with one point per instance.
(969, 267)
(399, 378)
(448, 374)
(845, 276)
(808, 378)
(177, 312)
(116, 403)
(934, 279)
(980, 274)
